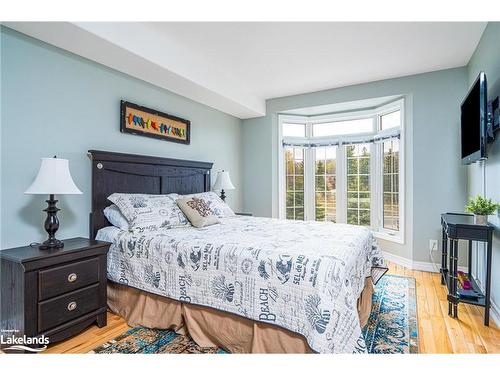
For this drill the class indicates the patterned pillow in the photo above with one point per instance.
(198, 211)
(150, 212)
(115, 217)
(218, 207)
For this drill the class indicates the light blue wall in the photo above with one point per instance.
(54, 102)
(435, 179)
(487, 58)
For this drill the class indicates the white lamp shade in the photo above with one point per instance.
(53, 178)
(223, 182)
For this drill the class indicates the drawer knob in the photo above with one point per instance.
(71, 306)
(72, 277)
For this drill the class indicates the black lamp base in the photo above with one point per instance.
(51, 244)
(223, 195)
(51, 226)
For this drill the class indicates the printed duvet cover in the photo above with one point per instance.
(305, 277)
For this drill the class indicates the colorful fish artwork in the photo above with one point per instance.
(144, 121)
(149, 124)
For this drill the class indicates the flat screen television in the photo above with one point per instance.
(473, 122)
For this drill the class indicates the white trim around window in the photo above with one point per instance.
(375, 138)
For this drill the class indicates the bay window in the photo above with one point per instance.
(344, 168)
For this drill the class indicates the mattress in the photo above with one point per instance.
(305, 277)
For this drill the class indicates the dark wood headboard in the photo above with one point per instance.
(114, 172)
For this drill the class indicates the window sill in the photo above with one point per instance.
(397, 238)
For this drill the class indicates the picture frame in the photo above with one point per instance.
(147, 122)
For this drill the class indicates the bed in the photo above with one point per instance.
(246, 284)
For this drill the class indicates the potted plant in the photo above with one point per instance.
(481, 208)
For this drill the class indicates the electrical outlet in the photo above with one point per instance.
(433, 245)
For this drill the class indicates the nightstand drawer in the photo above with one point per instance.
(59, 310)
(62, 279)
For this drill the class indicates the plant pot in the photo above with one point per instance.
(481, 219)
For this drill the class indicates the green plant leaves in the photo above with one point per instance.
(481, 206)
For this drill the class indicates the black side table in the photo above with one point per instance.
(462, 227)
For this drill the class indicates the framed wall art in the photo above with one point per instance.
(139, 120)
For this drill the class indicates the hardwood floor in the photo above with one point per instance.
(91, 338)
(438, 333)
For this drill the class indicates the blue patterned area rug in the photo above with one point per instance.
(141, 340)
(391, 328)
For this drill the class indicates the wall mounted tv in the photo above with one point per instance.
(473, 122)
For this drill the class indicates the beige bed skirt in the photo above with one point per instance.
(209, 327)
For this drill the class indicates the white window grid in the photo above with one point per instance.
(376, 164)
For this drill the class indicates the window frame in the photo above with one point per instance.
(381, 232)
(294, 177)
(338, 188)
(376, 165)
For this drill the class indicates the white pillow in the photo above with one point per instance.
(218, 207)
(150, 212)
(115, 217)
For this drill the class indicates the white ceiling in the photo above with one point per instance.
(235, 67)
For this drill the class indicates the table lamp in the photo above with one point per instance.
(53, 178)
(223, 182)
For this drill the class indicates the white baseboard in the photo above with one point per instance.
(429, 267)
(495, 313)
(405, 262)
(414, 265)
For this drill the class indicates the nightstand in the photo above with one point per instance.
(56, 293)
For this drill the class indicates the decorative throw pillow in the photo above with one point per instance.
(115, 217)
(218, 207)
(150, 212)
(198, 211)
